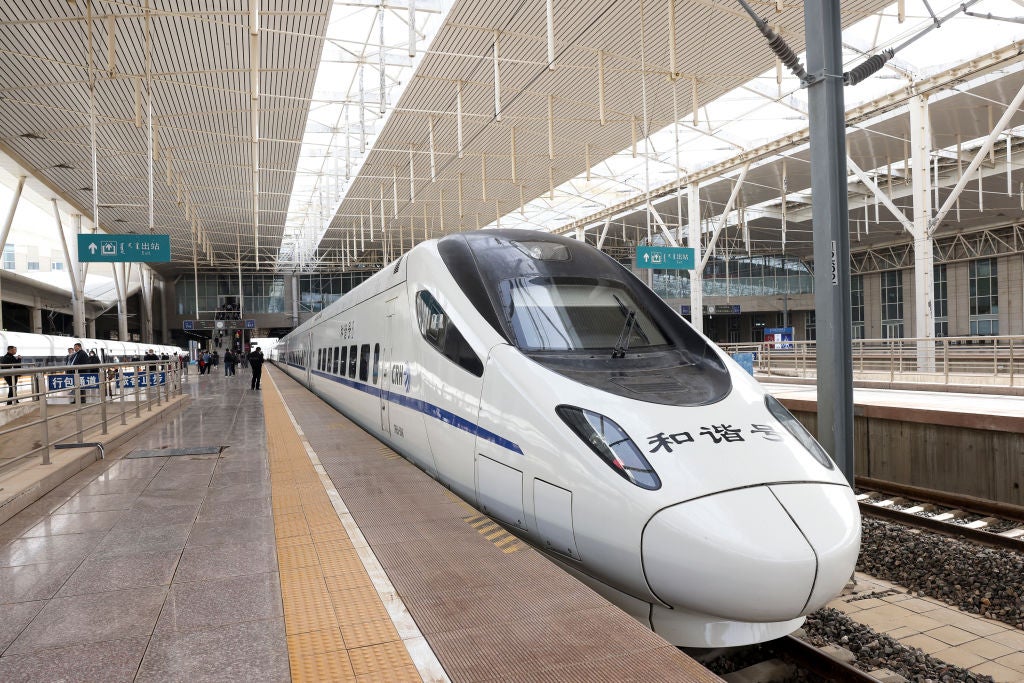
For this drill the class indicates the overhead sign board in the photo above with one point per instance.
(124, 248)
(714, 309)
(668, 258)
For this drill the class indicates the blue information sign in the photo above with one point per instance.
(123, 248)
(86, 380)
(188, 324)
(250, 324)
(671, 258)
(145, 379)
(779, 337)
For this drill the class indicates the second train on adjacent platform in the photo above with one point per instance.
(543, 383)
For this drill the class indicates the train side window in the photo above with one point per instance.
(439, 331)
(334, 363)
(376, 362)
(352, 361)
(364, 362)
(343, 361)
(320, 359)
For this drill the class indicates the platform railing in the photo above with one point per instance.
(66, 404)
(953, 361)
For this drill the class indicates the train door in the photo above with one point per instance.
(385, 367)
(308, 358)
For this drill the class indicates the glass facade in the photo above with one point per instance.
(318, 291)
(984, 297)
(857, 305)
(8, 263)
(262, 293)
(811, 326)
(940, 300)
(751, 276)
(892, 304)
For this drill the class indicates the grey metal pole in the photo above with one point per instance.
(831, 231)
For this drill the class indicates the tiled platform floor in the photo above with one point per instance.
(154, 569)
(982, 645)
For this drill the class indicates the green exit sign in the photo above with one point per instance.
(123, 248)
(666, 258)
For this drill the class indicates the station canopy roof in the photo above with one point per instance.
(322, 136)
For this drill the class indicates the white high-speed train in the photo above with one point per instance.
(48, 349)
(547, 386)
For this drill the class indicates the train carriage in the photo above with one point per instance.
(545, 385)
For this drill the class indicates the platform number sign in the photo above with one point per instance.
(188, 325)
(835, 265)
(250, 324)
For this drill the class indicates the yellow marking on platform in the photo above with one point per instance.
(493, 532)
(335, 623)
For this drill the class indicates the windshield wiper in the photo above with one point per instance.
(622, 344)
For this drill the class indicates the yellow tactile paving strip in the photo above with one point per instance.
(494, 533)
(337, 627)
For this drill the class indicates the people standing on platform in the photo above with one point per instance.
(183, 364)
(70, 358)
(243, 360)
(80, 358)
(256, 363)
(229, 363)
(204, 364)
(10, 361)
(150, 356)
(214, 360)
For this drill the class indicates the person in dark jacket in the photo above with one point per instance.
(9, 361)
(256, 363)
(229, 363)
(80, 358)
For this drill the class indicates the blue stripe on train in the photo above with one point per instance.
(428, 409)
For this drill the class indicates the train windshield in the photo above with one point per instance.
(576, 314)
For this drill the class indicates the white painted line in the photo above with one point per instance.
(423, 657)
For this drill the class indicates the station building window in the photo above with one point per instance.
(941, 300)
(984, 297)
(892, 304)
(8, 262)
(857, 305)
(811, 326)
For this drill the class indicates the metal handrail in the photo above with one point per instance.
(950, 361)
(116, 385)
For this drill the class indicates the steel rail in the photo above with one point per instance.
(980, 506)
(818, 662)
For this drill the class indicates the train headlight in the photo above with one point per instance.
(800, 432)
(611, 443)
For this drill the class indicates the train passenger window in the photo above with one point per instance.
(352, 361)
(376, 362)
(364, 362)
(344, 360)
(320, 359)
(441, 333)
(335, 362)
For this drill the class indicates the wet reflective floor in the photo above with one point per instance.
(158, 568)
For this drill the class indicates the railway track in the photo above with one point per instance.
(990, 523)
(784, 658)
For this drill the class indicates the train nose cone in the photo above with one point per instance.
(740, 554)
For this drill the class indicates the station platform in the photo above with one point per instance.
(260, 536)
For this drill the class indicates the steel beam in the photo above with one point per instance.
(725, 213)
(823, 30)
(697, 274)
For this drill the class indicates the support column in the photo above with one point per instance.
(6, 229)
(295, 299)
(91, 329)
(122, 301)
(831, 231)
(147, 305)
(697, 274)
(36, 314)
(924, 284)
(74, 269)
